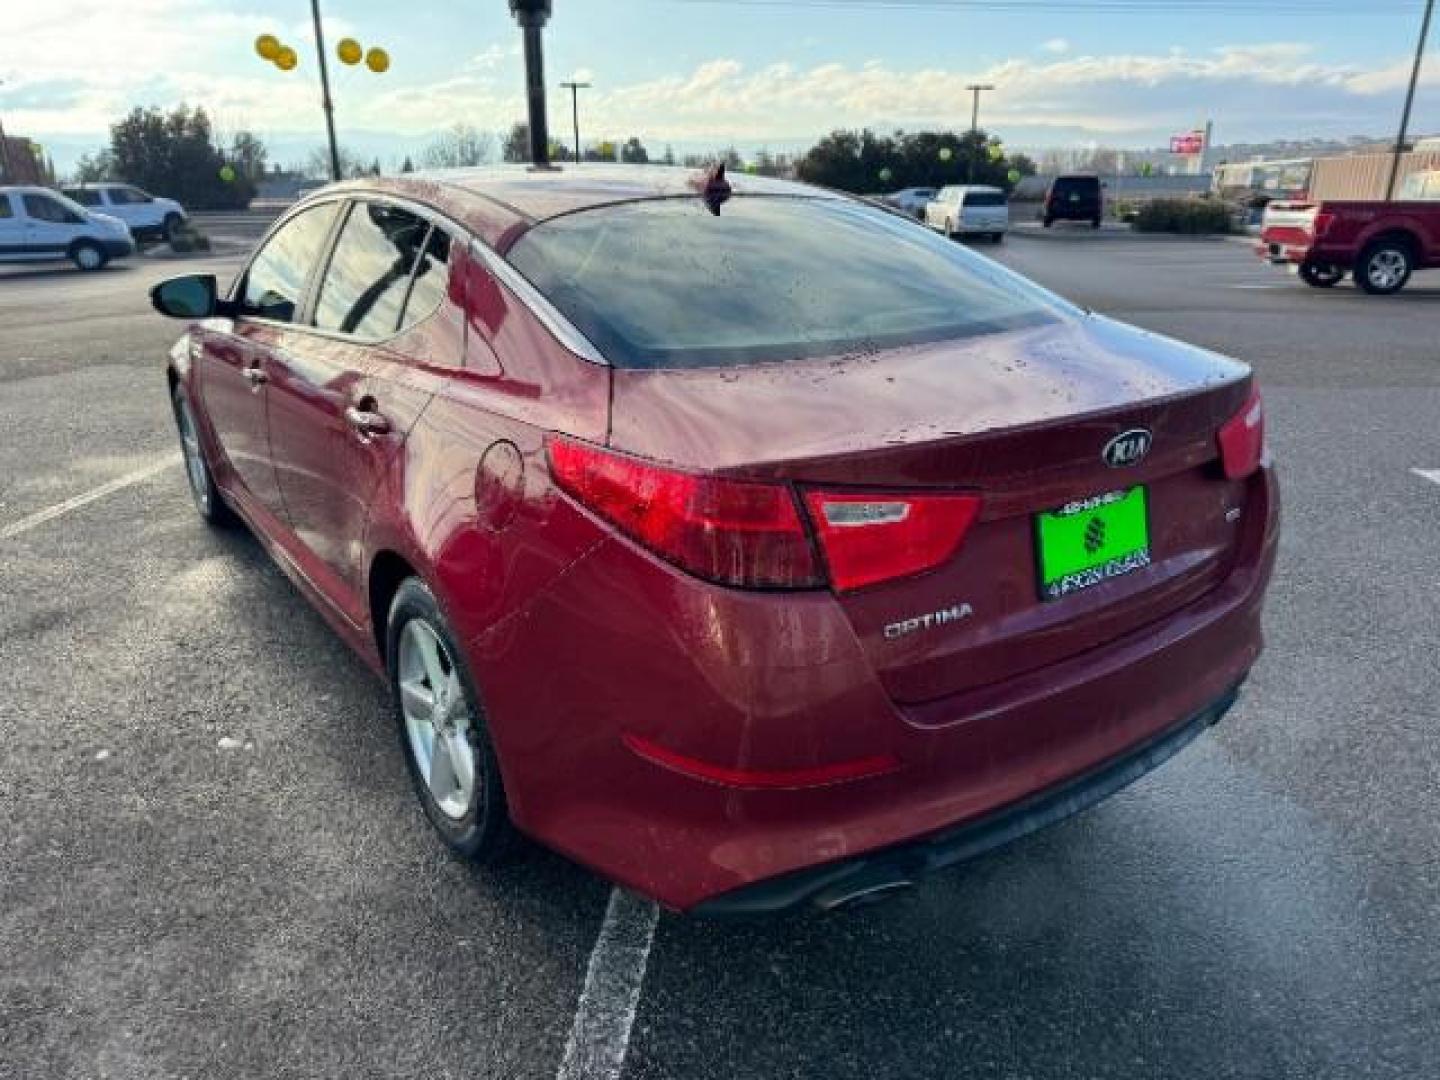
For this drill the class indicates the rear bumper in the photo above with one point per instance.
(852, 880)
(622, 645)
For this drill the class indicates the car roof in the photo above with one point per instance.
(499, 203)
(27, 189)
(98, 184)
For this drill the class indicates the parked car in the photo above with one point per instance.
(661, 576)
(149, 217)
(1381, 243)
(911, 200)
(970, 210)
(1074, 198)
(40, 225)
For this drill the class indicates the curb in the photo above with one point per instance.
(1080, 236)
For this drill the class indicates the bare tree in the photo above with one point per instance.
(459, 147)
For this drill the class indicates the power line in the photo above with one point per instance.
(1190, 8)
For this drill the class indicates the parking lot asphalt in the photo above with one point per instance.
(212, 864)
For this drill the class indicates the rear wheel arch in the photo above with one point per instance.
(1404, 237)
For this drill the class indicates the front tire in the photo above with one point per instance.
(209, 503)
(1321, 275)
(88, 256)
(172, 226)
(442, 729)
(1385, 267)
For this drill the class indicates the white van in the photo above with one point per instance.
(970, 210)
(150, 217)
(40, 225)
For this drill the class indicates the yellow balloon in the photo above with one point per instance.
(349, 51)
(267, 46)
(286, 59)
(377, 60)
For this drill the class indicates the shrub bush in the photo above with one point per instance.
(1190, 216)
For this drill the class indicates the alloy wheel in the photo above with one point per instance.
(1387, 268)
(438, 721)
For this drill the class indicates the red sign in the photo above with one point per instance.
(1192, 142)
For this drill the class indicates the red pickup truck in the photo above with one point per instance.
(1382, 243)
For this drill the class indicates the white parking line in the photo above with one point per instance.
(40, 517)
(600, 1033)
(1433, 475)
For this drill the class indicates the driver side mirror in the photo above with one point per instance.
(192, 296)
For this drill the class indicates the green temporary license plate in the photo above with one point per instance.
(1092, 540)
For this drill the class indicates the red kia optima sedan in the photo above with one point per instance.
(744, 541)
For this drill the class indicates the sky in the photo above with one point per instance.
(709, 73)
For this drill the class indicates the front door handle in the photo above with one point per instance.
(256, 375)
(367, 422)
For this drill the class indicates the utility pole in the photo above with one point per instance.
(1409, 100)
(975, 89)
(532, 16)
(575, 88)
(325, 101)
(4, 155)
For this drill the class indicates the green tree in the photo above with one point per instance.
(516, 144)
(95, 167)
(407, 166)
(174, 154)
(634, 152)
(861, 161)
(248, 156)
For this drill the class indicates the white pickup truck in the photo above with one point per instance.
(149, 217)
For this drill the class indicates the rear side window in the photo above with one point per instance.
(5, 211)
(984, 198)
(663, 283)
(128, 196)
(369, 274)
(1077, 185)
(44, 208)
(84, 196)
(432, 279)
(275, 283)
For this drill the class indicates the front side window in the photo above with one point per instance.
(432, 279)
(84, 196)
(663, 283)
(5, 211)
(368, 278)
(47, 208)
(275, 283)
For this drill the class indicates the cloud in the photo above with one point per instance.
(1055, 45)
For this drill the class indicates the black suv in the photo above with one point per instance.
(1074, 198)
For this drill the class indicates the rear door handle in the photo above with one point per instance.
(255, 374)
(366, 422)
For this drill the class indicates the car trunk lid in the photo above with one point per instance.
(1019, 418)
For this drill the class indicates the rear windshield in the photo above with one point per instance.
(984, 198)
(663, 283)
(1079, 185)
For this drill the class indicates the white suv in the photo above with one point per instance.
(148, 216)
(40, 225)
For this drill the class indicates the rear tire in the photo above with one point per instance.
(1321, 275)
(442, 729)
(997, 238)
(1049, 221)
(1385, 267)
(209, 503)
(1095, 223)
(88, 256)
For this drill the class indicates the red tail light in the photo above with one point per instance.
(870, 536)
(1322, 224)
(729, 531)
(1242, 438)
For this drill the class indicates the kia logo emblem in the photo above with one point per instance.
(1127, 448)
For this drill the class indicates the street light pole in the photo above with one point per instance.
(975, 89)
(1409, 100)
(532, 16)
(325, 93)
(575, 88)
(4, 155)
